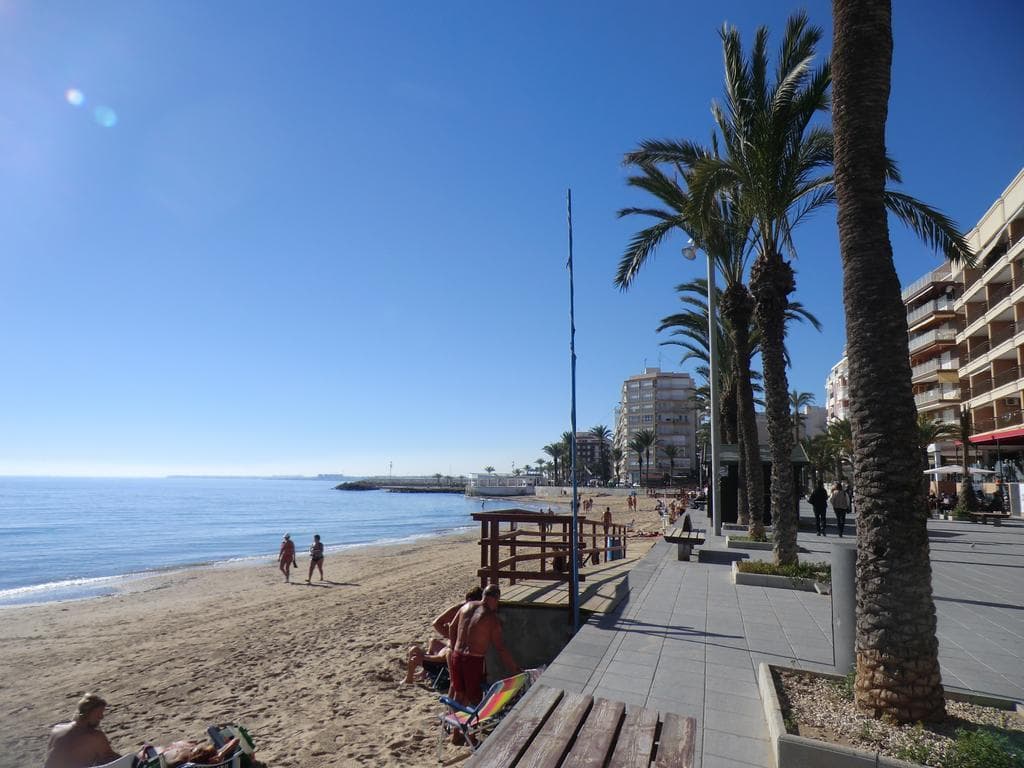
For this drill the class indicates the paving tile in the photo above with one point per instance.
(736, 747)
(730, 722)
(727, 702)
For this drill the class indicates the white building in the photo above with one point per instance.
(837, 391)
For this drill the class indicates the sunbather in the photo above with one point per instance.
(81, 743)
(478, 629)
(437, 651)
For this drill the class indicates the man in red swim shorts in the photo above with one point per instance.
(478, 629)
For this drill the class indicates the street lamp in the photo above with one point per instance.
(690, 253)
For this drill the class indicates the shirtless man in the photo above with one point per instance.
(478, 629)
(437, 651)
(286, 556)
(81, 743)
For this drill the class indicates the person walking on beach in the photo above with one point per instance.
(81, 742)
(316, 558)
(819, 501)
(840, 506)
(286, 556)
(478, 629)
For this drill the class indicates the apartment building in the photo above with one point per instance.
(837, 391)
(932, 326)
(990, 338)
(662, 401)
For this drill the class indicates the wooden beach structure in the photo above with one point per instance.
(531, 551)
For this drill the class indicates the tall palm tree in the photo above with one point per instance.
(798, 400)
(839, 433)
(638, 447)
(616, 457)
(488, 469)
(898, 672)
(554, 450)
(671, 453)
(931, 431)
(780, 163)
(821, 453)
(649, 441)
(603, 435)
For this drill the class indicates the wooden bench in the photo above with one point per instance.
(551, 728)
(996, 517)
(684, 540)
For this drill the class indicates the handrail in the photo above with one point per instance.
(550, 534)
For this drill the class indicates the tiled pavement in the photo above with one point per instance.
(688, 640)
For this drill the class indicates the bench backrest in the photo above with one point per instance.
(687, 525)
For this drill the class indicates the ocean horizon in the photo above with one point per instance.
(69, 538)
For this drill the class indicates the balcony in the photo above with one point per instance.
(1009, 419)
(935, 396)
(998, 292)
(934, 365)
(939, 274)
(925, 340)
(981, 387)
(1002, 333)
(975, 352)
(1006, 377)
(926, 310)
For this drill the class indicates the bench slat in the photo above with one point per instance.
(503, 748)
(675, 747)
(552, 742)
(597, 736)
(636, 740)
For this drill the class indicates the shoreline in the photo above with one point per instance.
(312, 671)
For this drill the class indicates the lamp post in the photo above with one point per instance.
(690, 253)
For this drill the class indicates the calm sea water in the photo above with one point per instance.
(68, 538)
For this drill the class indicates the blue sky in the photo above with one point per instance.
(330, 236)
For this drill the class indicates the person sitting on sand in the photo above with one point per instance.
(81, 743)
(316, 558)
(478, 629)
(437, 650)
(286, 556)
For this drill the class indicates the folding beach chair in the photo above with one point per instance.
(475, 722)
(437, 675)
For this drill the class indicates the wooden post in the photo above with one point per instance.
(495, 541)
(512, 551)
(483, 552)
(543, 547)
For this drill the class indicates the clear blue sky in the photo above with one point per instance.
(326, 236)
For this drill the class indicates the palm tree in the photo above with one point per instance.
(616, 456)
(898, 672)
(437, 478)
(603, 435)
(798, 400)
(931, 431)
(671, 453)
(554, 450)
(649, 440)
(780, 164)
(839, 433)
(638, 447)
(488, 470)
(821, 453)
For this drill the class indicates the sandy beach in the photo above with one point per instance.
(313, 671)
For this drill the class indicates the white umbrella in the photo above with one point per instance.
(949, 469)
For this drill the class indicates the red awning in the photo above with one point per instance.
(1011, 436)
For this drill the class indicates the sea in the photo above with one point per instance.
(75, 538)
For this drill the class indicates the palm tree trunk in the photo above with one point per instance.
(771, 282)
(737, 306)
(897, 650)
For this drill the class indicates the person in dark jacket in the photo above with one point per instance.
(819, 501)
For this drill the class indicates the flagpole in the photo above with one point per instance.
(574, 548)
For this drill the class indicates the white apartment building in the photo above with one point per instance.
(664, 402)
(837, 391)
(932, 328)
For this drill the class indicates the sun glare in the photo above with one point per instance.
(74, 97)
(105, 116)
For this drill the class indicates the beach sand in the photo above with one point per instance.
(313, 671)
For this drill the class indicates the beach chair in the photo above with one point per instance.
(437, 675)
(476, 722)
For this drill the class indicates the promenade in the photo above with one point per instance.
(688, 640)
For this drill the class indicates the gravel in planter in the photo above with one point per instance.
(823, 709)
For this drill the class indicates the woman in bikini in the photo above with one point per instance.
(316, 558)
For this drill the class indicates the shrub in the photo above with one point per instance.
(916, 748)
(816, 571)
(983, 749)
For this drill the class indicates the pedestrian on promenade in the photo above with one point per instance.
(819, 501)
(840, 506)
(316, 558)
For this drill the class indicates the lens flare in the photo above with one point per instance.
(105, 116)
(74, 97)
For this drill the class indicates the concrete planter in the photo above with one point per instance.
(731, 543)
(790, 751)
(766, 580)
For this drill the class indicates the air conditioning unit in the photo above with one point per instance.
(1011, 401)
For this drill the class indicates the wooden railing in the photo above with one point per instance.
(542, 543)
